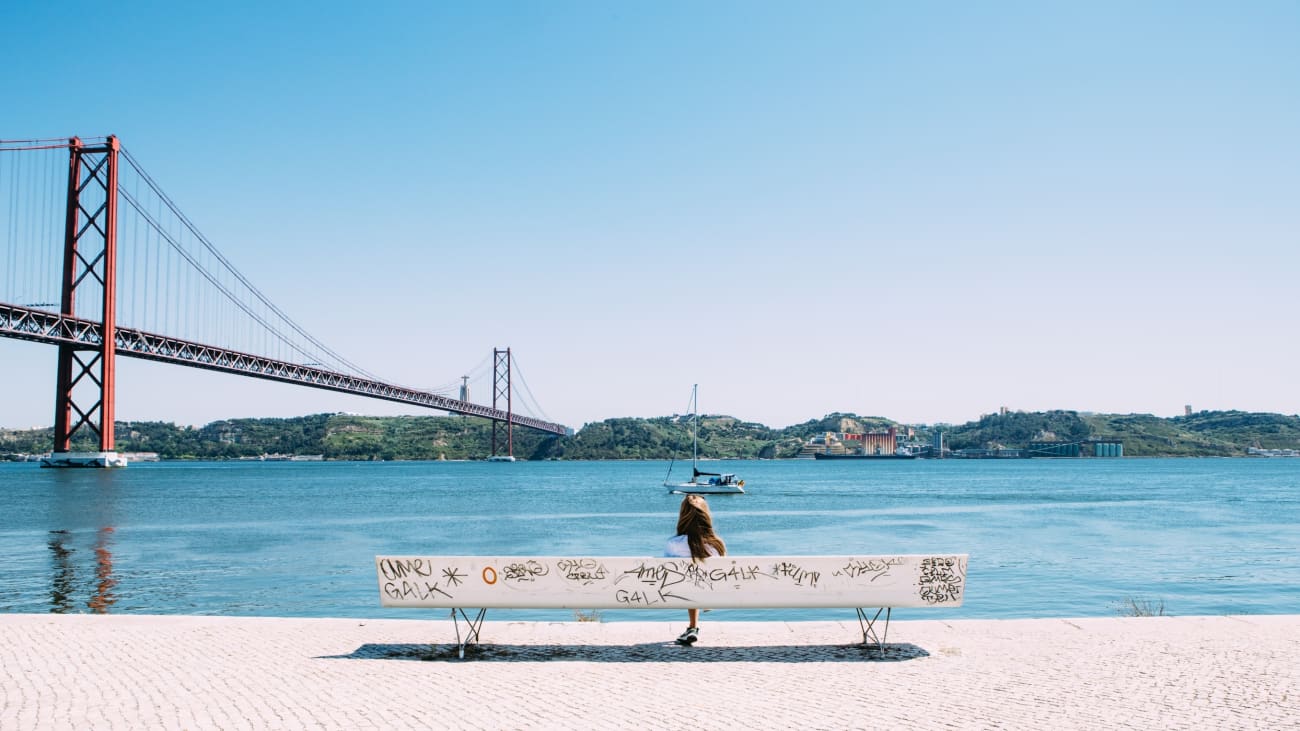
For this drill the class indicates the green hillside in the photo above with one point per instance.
(351, 437)
(1208, 433)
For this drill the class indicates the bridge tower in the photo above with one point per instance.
(86, 373)
(501, 392)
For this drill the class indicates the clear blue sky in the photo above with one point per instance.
(923, 211)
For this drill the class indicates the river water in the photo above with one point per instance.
(1046, 538)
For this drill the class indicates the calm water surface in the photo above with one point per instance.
(1046, 538)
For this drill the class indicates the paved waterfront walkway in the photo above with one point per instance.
(127, 672)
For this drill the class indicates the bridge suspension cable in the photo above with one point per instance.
(34, 185)
(475, 375)
(319, 352)
(531, 406)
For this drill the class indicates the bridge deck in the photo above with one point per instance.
(48, 327)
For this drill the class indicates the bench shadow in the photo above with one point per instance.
(647, 652)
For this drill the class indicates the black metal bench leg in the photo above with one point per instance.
(869, 627)
(472, 627)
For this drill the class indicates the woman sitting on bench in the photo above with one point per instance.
(695, 540)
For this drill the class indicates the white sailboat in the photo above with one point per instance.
(702, 483)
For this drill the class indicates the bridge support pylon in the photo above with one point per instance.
(87, 373)
(502, 433)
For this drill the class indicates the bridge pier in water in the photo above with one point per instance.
(86, 371)
(501, 391)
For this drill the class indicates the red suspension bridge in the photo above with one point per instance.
(99, 262)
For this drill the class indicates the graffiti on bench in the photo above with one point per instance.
(631, 582)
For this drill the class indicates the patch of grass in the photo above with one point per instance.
(1132, 607)
(587, 615)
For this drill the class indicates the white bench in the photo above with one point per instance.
(461, 583)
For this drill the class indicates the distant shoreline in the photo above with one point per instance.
(196, 460)
(349, 437)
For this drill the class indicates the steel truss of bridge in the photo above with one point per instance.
(48, 327)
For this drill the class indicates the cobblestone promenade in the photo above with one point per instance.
(130, 672)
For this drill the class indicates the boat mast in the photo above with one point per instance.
(695, 429)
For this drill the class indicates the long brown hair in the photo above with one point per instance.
(696, 523)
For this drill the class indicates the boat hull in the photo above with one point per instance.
(687, 488)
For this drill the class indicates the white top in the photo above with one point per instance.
(679, 548)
